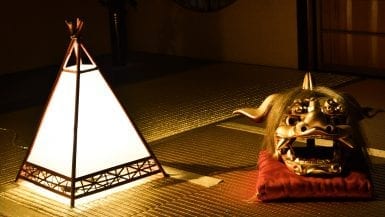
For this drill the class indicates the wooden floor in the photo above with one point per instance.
(187, 119)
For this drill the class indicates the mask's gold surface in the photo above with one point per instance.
(312, 120)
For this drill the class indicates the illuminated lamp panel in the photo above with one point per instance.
(53, 144)
(105, 135)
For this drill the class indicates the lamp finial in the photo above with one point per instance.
(75, 27)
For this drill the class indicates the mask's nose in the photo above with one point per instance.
(314, 119)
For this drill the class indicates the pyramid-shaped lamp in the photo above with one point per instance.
(85, 142)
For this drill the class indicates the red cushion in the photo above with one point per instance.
(275, 182)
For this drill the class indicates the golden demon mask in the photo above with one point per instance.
(312, 130)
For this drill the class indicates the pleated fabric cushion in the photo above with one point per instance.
(276, 182)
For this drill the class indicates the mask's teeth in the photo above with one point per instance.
(282, 142)
(289, 154)
(324, 142)
(347, 141)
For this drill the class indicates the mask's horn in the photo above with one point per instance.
(307, 82)
(260, 113)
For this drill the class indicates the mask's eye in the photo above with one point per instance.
(292, 120)
(299, 108)
(332, 106)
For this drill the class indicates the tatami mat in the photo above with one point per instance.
(222, 153)
(178, 115)
(198, 97)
